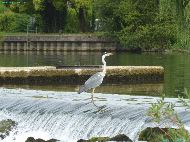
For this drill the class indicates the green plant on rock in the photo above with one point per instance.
(185, 102)
(160, 111)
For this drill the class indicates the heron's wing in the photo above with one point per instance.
(94, 81)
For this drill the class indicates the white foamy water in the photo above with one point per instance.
(68, 116)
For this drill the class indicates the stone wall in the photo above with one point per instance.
(58, 43)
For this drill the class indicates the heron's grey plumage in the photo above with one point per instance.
(93, 82)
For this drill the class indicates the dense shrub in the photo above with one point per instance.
(148, 37)
(139, 24)
(13, 22)
(72, 23)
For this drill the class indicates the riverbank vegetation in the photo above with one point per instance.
(147, 24)
(165, 112)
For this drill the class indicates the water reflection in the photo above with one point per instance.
(21, 59)
(176, 65)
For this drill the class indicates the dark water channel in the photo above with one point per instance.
(176, 65)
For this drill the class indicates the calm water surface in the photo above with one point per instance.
(176, 65)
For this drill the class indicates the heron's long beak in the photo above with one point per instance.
(109, 54)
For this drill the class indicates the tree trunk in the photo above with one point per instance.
(48, 16)
(93, 20)
(82, 20)
(53, 20)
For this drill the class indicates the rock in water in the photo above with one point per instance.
(5, 127)
(81, 140)
(121, 137)
(117, 138)
(31, 139)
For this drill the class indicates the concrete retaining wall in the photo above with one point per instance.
(49, 75)
(58, 43)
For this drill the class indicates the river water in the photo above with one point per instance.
(176, 65)
(59, 112)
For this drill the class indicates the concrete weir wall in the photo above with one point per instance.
(78, 42)
(51, 75)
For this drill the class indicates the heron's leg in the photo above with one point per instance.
(92, 97)
(100, 109)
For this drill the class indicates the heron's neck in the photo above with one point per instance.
(104, 64)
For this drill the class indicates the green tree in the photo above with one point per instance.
(53, 14)
(72, 22)
(137, 23)
(180, 10)
(59, 18)
(83, 10)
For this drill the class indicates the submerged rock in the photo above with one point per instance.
(5, 127)
(31, 139)
(117, 138)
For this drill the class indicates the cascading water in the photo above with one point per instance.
(68, 116)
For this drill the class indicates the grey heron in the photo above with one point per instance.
(96, 79)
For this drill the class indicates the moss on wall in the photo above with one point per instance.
(115, 75)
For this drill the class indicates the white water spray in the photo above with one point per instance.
(69, 116)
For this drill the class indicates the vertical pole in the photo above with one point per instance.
(27, 43)
(36, 30)
(27, 38)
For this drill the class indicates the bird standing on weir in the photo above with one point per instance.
(96, 79)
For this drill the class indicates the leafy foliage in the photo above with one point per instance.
(72, 24)
(12, 22)
(138, 24)
(185, 102)
(38, 4)
(3, 8)
(84, 13)
(141, 24)
(161, 111)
